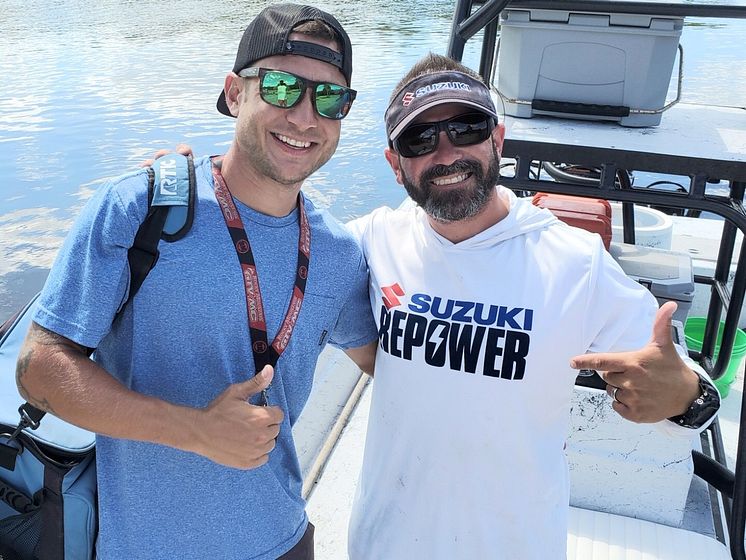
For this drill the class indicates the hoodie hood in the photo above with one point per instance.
(523, 217)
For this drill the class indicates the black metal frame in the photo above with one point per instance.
(611, 161)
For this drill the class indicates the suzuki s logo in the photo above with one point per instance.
(389, 295)
(407, 99)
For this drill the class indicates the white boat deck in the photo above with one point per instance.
(330, 502)
(689, 130)
(592, 535)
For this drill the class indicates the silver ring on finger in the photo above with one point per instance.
(613, 394)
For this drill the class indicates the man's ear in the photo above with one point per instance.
(393, 158)
(233, 88)
(498, 137)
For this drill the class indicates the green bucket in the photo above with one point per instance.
(694, 332)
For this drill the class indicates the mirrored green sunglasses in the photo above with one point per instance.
(283, 89)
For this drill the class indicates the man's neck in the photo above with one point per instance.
(255, 190)
(461, 230)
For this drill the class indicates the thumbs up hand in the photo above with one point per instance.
(649, 384)
(233, 432)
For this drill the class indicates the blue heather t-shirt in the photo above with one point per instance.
(184, 338)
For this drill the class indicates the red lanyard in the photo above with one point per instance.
(263, 353)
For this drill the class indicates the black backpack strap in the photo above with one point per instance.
(170, 223)
(144, 253)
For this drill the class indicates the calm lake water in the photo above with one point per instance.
(88, 89)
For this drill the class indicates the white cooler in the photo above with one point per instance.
(667, 274)
(586, 65)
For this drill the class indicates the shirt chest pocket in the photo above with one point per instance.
(317, 319)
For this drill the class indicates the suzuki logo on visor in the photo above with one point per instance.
(432, 88)
(424, 90)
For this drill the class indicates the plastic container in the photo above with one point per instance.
(694, 332)
(667, 274)
(590, 214)
(653, 228)
(586, 65)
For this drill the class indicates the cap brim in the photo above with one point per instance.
(399, 128)
(222, 105)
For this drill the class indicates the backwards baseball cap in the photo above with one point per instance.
(267, 35)
(430, 90)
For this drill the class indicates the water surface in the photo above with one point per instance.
(91, 88)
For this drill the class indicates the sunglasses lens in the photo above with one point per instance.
(333, 101)
(463, 130)
(469, 129)
(417, 140)
(281, 89)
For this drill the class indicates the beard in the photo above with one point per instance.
(452, 205)
(250, 130)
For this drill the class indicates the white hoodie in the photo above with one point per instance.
(464, 454)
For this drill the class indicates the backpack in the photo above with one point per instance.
(48, 469)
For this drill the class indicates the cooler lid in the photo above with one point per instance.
(595, 207)
(667, 274)
(593, 19)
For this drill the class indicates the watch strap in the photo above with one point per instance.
(703, 408)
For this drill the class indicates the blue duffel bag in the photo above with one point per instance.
(47, 471)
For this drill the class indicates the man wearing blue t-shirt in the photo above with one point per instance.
(238, 310)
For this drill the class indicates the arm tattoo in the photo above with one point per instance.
(38, 336)
(21, 367)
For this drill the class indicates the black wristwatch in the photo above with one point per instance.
(702, 409)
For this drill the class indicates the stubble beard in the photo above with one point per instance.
(264, 166)
(452, 205)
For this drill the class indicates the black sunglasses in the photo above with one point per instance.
(283, 89)
(463, 130)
